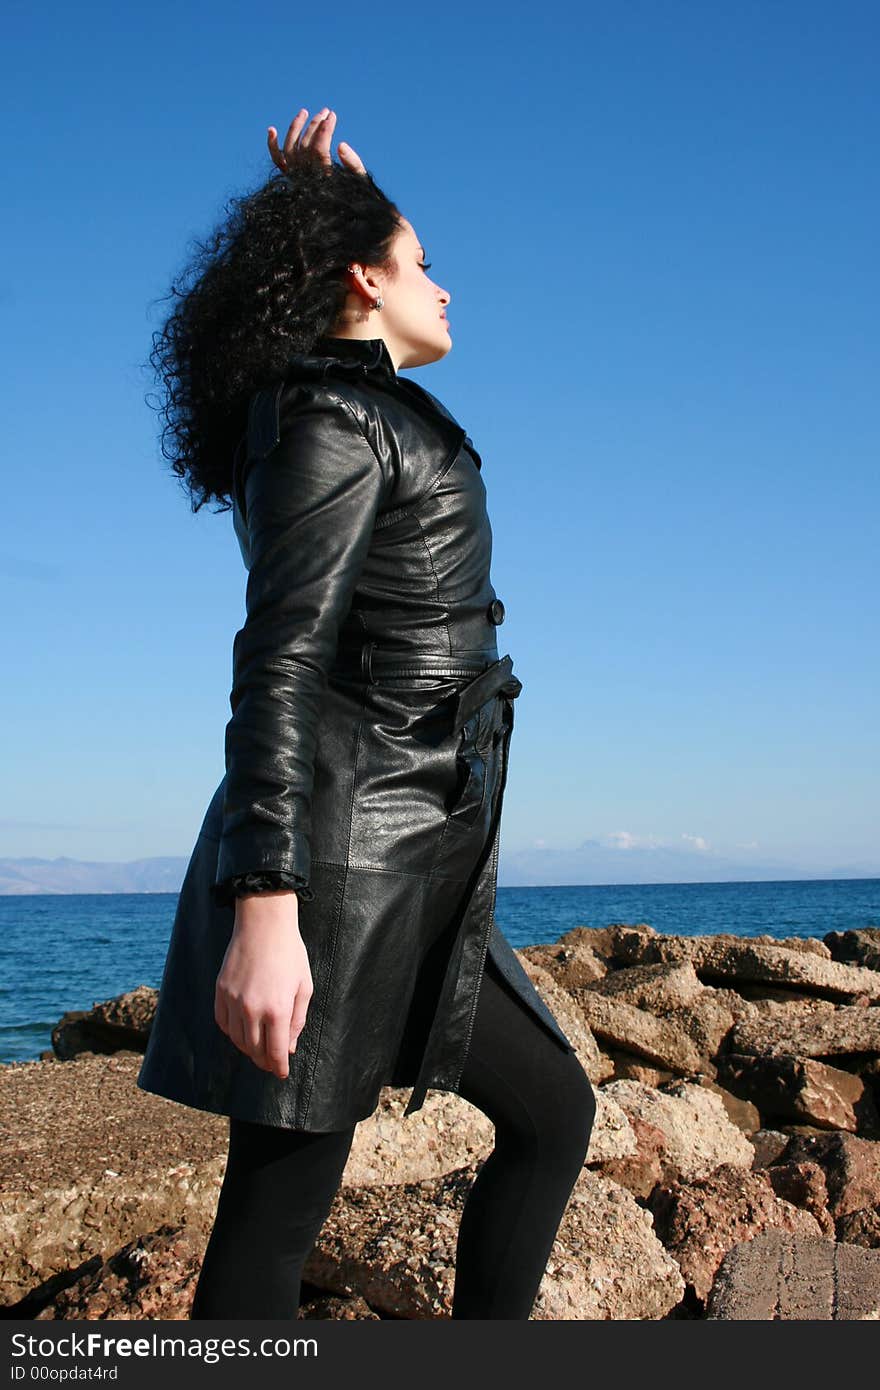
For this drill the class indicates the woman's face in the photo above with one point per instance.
(412, 319)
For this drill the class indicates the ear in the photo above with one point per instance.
(360, 282)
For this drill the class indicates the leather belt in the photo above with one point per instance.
(495, 677)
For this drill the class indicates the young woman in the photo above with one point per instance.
(335, 932)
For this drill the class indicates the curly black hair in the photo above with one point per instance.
(268, 282)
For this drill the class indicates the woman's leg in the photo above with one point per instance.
(277, 1190)
(542, 1105)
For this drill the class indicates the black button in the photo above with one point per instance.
(496, 611)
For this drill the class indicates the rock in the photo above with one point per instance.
(626, 1066)
(708, 1020)
(804, 970)
(448, 1133)
(329, 1307)
(606, 1262)
(698, 1135)
(612, 1136)
(700, 1221)
(807, 945)
(641, 1170)
(775, 1000)
(868, 1068)
(810, 1130)
(445, 1134)
(88, 1162)
(733, 1000)
(114, 1025)
(860, 1227)
(740, 1112)
(769, 1146)
(859, 947)
(822, 1033)
(789, 1088)
(739, 959)
(395, 1247)
(154, 1277)
(636, 1030)
(851, 1165)
(571, 961)
(656, 988)
(571, 1020)
(640, 944)
(605, 942)
(803, 1184)
(674, 992)
(151, 1277)
(782, 1277)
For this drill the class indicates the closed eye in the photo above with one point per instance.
(426, 265)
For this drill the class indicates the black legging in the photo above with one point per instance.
(280, 1183)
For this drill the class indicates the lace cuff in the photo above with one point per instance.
(263, 881)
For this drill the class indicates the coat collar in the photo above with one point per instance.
(365, 355)
(370, 358)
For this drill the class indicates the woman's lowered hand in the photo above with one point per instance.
(317, 136)
(264, 986)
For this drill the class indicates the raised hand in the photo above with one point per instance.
(316, 138)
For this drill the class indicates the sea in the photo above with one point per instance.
(67, 951)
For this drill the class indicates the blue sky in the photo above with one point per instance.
(659, 225)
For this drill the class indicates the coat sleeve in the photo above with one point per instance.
(310, 504)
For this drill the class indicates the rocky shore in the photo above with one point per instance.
(733, 1171)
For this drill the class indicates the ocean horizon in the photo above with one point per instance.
(66, 951)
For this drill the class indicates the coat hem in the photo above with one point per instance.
(233, 1112)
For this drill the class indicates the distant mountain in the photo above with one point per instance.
(593, 862)
(589, 863)
(163, 874)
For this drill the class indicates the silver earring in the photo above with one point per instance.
(379, 302)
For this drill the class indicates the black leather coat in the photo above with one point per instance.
(366, 754)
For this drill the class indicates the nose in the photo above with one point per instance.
(445, 297)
